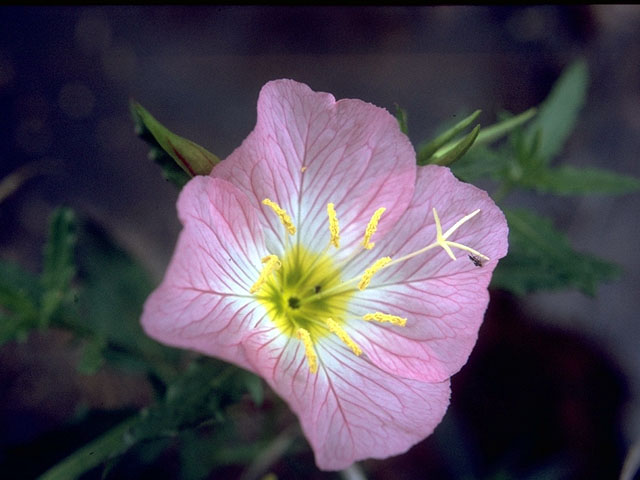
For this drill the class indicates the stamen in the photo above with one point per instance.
(334, 228)
(344, 336)
(371, 228)
(385, 318)
(309, 352)
(271, 264)
(284, 217)
(369, 272)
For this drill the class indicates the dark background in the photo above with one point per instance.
(552, 386)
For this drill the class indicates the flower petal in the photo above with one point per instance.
(203, 302)
(443, 300)
(350, 409)
(308, 150)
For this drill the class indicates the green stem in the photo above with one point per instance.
(109, 445)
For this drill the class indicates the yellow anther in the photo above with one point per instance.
(284, 217)
(385, 318)
(344, 336)
(441, 239)
(369, 272)
(271, 264)
(371, 228)
(334, 228)
(309, 352)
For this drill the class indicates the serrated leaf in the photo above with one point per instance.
(481, 162)
(428, 150)
(458, 150)
(567, 180)
(191, 157)
(541, 258)
(558, 113)
(401, 116)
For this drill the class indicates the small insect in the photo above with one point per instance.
(476, 261)
(317, 289)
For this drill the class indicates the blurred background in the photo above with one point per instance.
(551, 390)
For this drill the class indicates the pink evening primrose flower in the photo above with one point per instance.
(320, 257)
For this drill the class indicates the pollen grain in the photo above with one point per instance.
(369, 272)
(284, 216)
(310, 353)
(371, 228)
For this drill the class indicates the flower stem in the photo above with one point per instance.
(107, 446)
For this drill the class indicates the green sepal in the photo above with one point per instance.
(500, 129)
(541, 258)
(401, 116)
(458, 150)
(427, 151)
(191, 157)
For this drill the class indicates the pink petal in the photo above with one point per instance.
(444, 301)
(308, 150)
(203, 302)
(350, 409)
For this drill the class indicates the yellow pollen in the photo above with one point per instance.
(334, 228)
(369, 272)
(284, 217)
(385, 318)
(309, 352)
(271, 264)
(371, 228)
(344, 336)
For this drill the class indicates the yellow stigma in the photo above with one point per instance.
(271, 264)
(284, 217)
(309, 352)
(344, 336)
(369, 272)
(334, 228)
(385, 318)
(371, 229)
(441, 239)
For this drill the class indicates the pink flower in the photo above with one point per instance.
(321, 258)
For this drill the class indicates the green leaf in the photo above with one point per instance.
(481, 162)
(255, 387)
(541, 258)
(191, 157)
(458, 150)
(114, 290)
(567, 180)
(92, 357)
(558, 113)
(426, 151)
(401, 116)
(59, 267)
